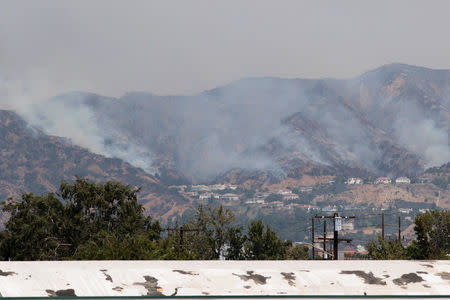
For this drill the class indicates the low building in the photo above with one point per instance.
(284, 192)
(231, 187)
(255, 201)
(305, 189)
(207, 196)
(200, 188)
(259, 197)
(383, 180)
(354, 180)
(192, 194)
(275, 204)
(218, 187)
(308, 207)
(348, 225)
(405, 210)
(403, 180)
(290, 196)
(329, 208)
(229, 197)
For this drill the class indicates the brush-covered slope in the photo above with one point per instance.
(31, 161)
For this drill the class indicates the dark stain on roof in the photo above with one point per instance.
(151, 285)
(257, 278)
(117, 288)
(369, 278)
(175, 292)
(7, 273)
(185, 272)
(107, 276)
(407, 278)
(427, 265)
(61, 293)
(290, 277)
(426, 285)
(444, 275)
(421, 272)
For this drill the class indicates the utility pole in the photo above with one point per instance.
(399, 229)
(382, 226)
(312, 239)
(181, 232)
(325, 239)
(337, 221)
(335, 237)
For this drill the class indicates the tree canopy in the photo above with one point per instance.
(87, 220)
(56, 226)
(432, 230)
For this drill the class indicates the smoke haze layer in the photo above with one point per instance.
(258, 123)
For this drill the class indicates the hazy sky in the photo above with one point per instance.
(179, 47)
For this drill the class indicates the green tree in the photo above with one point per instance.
(297, 252)
(236, 241)
(33, 231)
(263, 244)
(433, 231)
(131, 247)
(386, 249)
(214, 226)
(55, 226)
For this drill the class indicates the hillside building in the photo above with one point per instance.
(403, 180)
(305, 189)
(290, 196)
(229, 197)
(383, 180)
(354, 180)
(284, 192)
(207, 196)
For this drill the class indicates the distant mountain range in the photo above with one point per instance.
(391, 121)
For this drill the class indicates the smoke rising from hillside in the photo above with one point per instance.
(421, 135)
(74, 121)
(249, 124)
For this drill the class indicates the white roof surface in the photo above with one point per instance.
(138, 278)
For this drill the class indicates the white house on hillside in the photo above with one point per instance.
(229, 197)
(354, 180)
(403, 180)
(383, 180)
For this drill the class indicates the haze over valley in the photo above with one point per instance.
(256, 133)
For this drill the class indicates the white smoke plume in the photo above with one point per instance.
(72, 120)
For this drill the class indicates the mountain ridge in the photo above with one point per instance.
(391, 121)
(377, 108)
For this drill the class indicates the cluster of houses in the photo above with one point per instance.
(208, 192)
(379, 180)
(286, 195)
